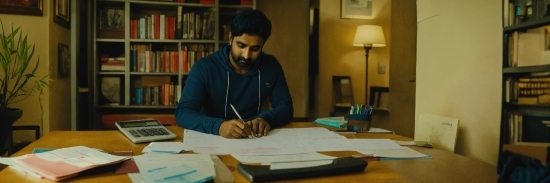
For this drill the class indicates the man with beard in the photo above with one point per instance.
(241, 75)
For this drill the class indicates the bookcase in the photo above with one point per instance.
(144, 49)
(525, 119)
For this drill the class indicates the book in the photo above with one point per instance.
(338, 122)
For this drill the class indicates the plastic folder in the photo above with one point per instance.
(262, 173)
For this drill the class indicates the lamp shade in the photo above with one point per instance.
(369, 36)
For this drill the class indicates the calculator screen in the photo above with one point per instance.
(139, 124)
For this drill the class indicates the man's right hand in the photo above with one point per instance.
(235, 129)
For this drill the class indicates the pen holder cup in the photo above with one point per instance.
(361, 121)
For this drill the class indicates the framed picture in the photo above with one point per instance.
(62, 13)
(28, 7)
(111, 22)
(356, 9)
(64, 60)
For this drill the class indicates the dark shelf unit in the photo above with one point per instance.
(510, 77)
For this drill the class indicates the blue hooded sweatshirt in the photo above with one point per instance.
(212, 85)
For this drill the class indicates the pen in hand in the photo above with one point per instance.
(238, 115)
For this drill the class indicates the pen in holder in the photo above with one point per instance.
(362, 121)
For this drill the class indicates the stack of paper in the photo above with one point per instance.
(338, 122)
(62, 163)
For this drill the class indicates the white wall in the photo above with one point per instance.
(459, 70)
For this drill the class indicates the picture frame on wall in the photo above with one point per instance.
(356, 9)
(64, 60)
(62, 13)
(29, 7)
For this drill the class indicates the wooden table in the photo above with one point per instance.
(443, 167)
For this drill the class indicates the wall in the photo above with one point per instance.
(459, 70)
(45, 34)
(60, 92)
(289, 44)
(337, 55)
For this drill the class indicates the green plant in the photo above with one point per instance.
(15, 58)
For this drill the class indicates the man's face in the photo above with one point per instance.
(245, 49)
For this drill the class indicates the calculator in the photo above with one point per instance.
(144, 130)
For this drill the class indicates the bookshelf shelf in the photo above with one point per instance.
(528, 25)
(527, 69)
(141, 55)
(525, 81)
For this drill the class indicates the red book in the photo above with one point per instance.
(156, 18)
(176, 61)
(246, 2)
(185, 64)
(206, 2)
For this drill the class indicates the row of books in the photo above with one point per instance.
(144, 59)
(163, 94)
(185, 25)
(528, 90)
(224, 2)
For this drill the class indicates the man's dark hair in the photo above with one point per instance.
(252, 22)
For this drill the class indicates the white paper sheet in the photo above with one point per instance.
(288, 165)
(163, 147)
(404, 153)
(371, 144)
(282, 158)
(201, 162)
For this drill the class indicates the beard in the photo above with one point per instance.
(241, 61)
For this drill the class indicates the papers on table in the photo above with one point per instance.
(164, 147)
(62, 163)
(379, 130)
(282, 158)
(174, 168)
(385, 148)
(279, 141)
(297, 164)
(286, 145)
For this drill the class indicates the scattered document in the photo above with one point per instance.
(405, 143)
(164, 147)
(175, 174)
(64, 163)
(370, 144)
(201, 162)
(297, 164)
(312, 156)
(404, 153)
(379, 130)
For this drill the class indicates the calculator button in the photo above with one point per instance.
(134, 133)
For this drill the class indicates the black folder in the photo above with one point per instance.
(262, 173)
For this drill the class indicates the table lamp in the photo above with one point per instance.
(368, 36)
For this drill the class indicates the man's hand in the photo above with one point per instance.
(260, 127)
(235, 129)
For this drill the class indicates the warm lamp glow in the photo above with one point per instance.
(369, 36)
